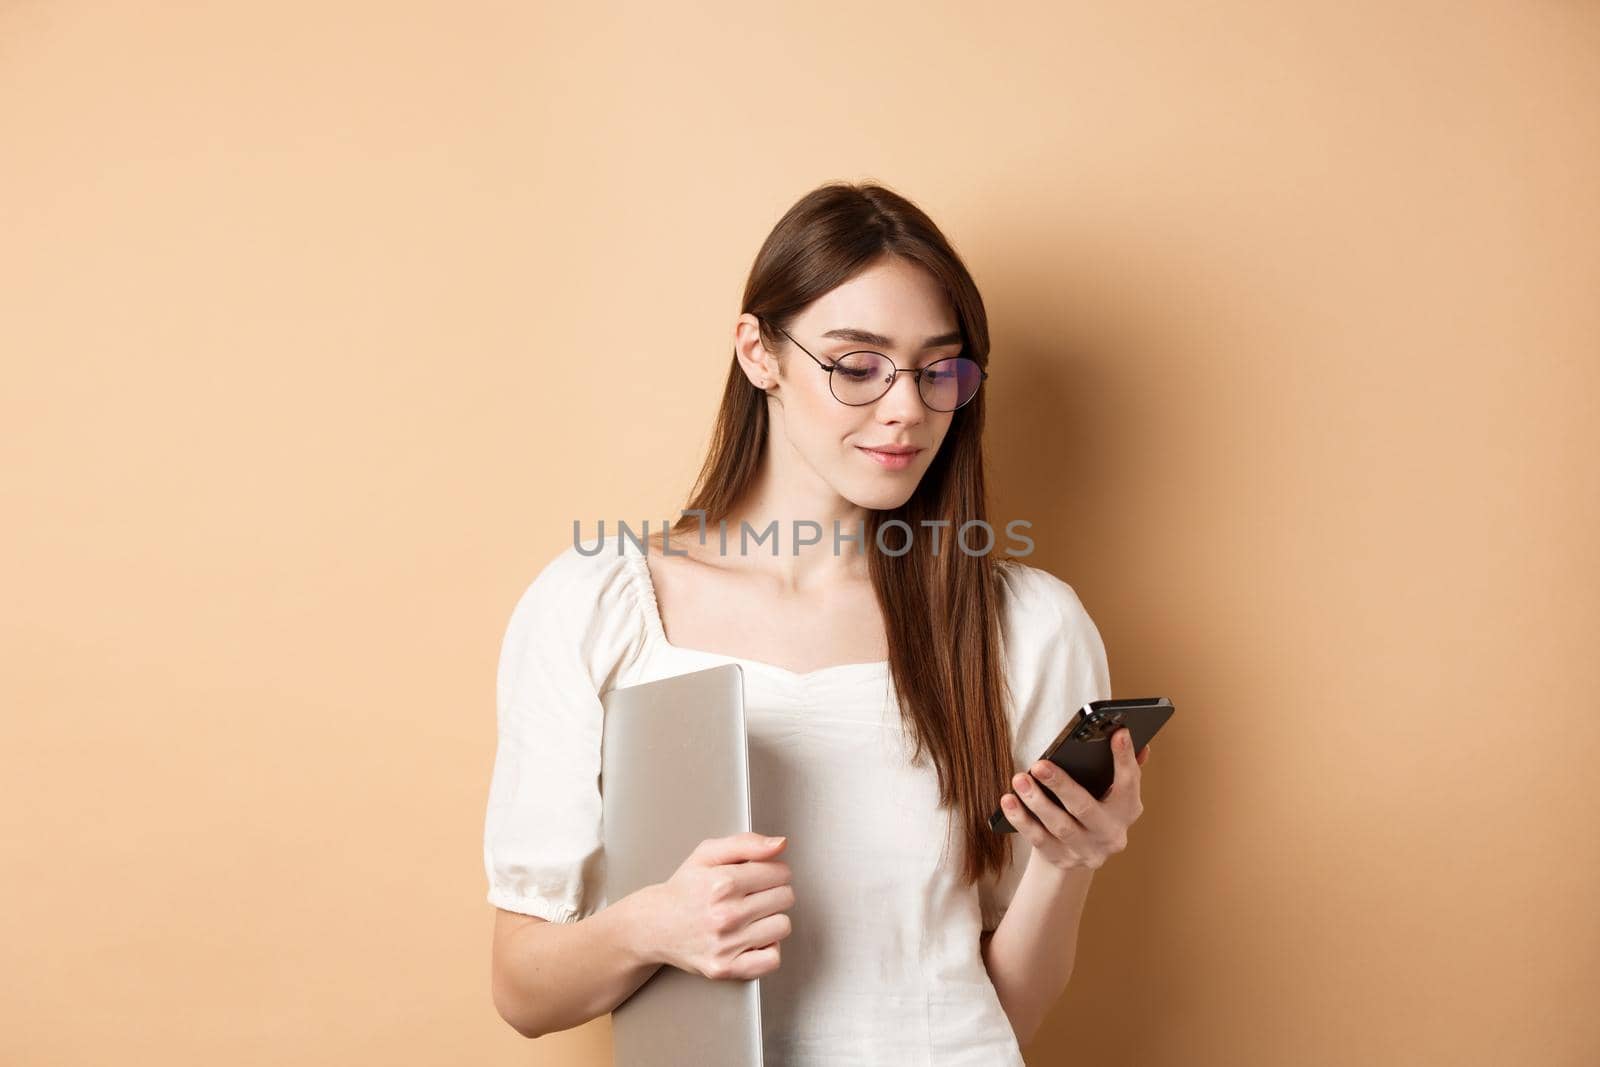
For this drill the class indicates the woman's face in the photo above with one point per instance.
(903, 305)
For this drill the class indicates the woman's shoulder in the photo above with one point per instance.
(1053, 649)
(586, 593)
(587, 568)
(1034, 593)
(589, 562)
(1040, 609)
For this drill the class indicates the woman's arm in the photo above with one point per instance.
(721, 914)
(549, 976)
(1030, 955)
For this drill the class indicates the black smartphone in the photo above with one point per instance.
(1083, 747)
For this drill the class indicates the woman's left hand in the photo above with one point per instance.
(1085, 832)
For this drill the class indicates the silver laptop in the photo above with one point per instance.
(674, 770)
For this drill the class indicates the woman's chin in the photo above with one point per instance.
(880, 497)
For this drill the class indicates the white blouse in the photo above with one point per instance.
(882, 965)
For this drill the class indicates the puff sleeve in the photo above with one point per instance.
(570, 634)
(1055, 663)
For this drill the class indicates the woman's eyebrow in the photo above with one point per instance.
(867, 337)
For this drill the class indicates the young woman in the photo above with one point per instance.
(893, 687)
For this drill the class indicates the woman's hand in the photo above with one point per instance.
(1085, 832)
(724, 910)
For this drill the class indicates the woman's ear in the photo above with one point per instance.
(759, 365)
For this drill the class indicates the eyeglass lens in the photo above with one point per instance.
(862, 377)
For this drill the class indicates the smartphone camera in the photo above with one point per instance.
(1101, 726)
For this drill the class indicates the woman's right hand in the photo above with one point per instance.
(721, 914)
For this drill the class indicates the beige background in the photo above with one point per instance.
(322, 322)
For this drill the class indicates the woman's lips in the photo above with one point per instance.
(894, 461)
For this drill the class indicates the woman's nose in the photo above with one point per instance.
(903, 398)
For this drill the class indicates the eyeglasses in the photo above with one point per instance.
(859, 378)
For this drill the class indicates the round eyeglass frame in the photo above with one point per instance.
(915, 372)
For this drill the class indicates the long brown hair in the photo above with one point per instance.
(941, 612)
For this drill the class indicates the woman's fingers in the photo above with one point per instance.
(1055, 818)
(1040, 818)
(1127, 767)
(1086, 812)
(1024, 821)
